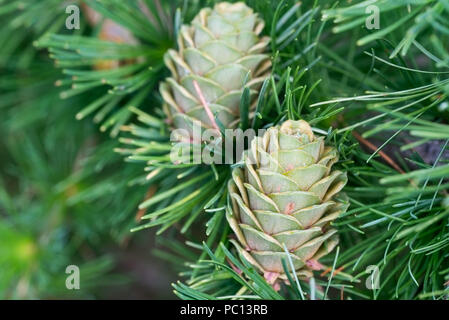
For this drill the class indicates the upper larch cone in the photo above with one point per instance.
(216, 53)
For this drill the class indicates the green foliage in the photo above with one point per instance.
(397, 222)
(403, 22)
(63, 192)
(42, 230)
(27, 20)
(119, 69)
(379, 96)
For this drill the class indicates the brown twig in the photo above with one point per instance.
(151, 191)
(329, 269)
(234, 267)
(381, 153)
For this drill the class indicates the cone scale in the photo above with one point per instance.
(219, 50)
(283, 201)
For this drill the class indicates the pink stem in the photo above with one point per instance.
(205, 105)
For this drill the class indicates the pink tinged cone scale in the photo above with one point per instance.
(284, 196)
(216, 53)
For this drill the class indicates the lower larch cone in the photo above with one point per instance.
(283, 198)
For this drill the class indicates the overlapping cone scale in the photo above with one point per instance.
(284, 199)
(219, 50)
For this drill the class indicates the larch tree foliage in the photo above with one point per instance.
(342, 195)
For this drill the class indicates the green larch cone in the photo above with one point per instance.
(284, 197)
(216, 53)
